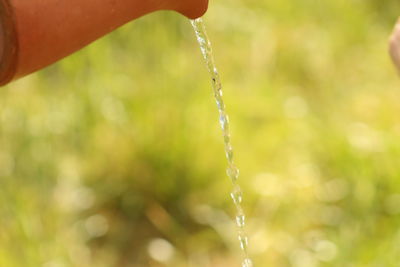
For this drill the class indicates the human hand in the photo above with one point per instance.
(394, 45)
(39, 33)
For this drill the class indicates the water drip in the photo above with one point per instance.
(232, 171)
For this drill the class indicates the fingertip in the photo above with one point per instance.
(194, 12)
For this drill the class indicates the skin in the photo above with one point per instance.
(394, 45)
(46, 31)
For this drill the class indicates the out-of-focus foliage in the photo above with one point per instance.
(113, 157)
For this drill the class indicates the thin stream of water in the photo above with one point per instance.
(232, 171)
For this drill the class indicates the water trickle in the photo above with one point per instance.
(232, 171)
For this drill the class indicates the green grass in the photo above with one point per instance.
(119, 143)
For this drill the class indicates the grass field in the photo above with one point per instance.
(113, 157)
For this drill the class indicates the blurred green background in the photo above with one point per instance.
(113, 156)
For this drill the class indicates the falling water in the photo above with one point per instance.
(232, 171)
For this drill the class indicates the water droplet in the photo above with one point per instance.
(224, 121)
(233, 173)
(227, 137)
(247, 263)
(243, 242)
(229, 152)
(236, 195)
(240, 220)
(220, 104)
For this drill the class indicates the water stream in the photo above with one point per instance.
(232, 171)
